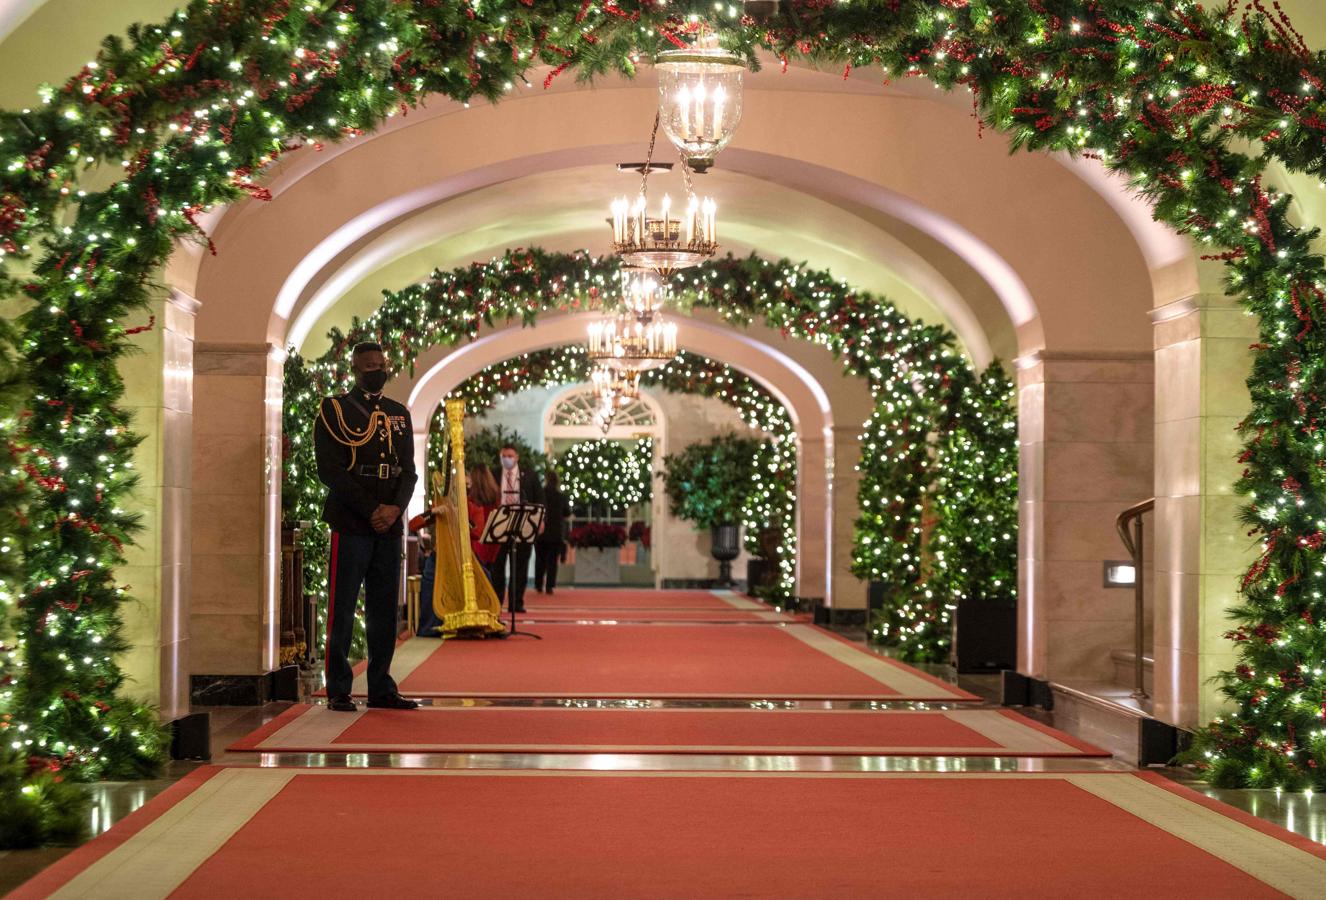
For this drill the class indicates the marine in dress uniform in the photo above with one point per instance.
(364, 444)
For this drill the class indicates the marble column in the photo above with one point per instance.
(158, 383)
(814, 517)
(1085, 424)
(847, 590)
(1202, 365)
(236, 509)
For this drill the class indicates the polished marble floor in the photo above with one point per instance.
(1302, 814)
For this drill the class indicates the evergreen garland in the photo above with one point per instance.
(1192, 103)
(913, 370)
(771, 505)
(973, 508)
(608, 471)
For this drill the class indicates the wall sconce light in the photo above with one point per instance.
(1120, 573)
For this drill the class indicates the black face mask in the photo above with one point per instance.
(373, 380)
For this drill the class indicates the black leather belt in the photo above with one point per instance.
(380, 471)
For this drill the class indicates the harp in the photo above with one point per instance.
(463, 599)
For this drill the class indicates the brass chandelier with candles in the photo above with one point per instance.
(630, 343)
(670, 240)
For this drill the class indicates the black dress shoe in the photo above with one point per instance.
(341, 703)
(395, 701)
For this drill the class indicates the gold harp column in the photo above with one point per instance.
(456, 431)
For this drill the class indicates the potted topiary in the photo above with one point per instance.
(598, 560)
(709, 483)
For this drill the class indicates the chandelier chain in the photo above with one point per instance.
(686, 174)
(649, 158)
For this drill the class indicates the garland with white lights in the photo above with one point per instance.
(915, 375)
(973, 510)
(608, 471)
(771, 503)
(195, 109)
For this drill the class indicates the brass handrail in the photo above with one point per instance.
(1135, 547)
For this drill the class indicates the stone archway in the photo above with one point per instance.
(795, 375)
(1042, 368)
(364, 230)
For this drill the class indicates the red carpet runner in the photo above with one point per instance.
(627, 598)
(334, 833)
(479, 729)
(598, 614)
(756, 661)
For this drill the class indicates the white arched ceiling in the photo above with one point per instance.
(14, 12)
(47, 40)
(563, 210)
(1068, 247)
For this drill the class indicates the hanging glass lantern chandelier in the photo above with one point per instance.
(616, 385)
(674, 239)
(699, 98)
(631, 344)
(613, 389)
(643, 292)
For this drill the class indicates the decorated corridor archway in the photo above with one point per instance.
(920, 386)
(1156, 89)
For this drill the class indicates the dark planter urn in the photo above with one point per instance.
(725, 546)
(987, 635)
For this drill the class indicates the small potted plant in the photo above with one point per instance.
(598, 560)
(708, 484)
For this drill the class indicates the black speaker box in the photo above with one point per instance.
(191, 737)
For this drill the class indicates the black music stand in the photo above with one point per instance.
(513, 524)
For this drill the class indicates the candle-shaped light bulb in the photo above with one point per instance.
(720, 97)
(667, 207)
(699, 109)
(619, 219)
(684, 107)
(692, 209)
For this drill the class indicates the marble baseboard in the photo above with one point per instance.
(695, 584)
(839, 618)
(244, 690)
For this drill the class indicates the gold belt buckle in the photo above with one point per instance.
(384, 470)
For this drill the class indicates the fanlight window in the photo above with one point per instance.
(577, 410)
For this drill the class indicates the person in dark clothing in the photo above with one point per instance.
(429, 623)
(364, 445)
(550, 548)
(514, 486)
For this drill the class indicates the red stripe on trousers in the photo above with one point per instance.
(331, 605)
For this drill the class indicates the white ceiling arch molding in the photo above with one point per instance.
(560, 209)
(1025, 215)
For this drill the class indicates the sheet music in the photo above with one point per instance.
(516, 523)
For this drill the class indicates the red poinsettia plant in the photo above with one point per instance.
(597, 535)
(640, 532)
